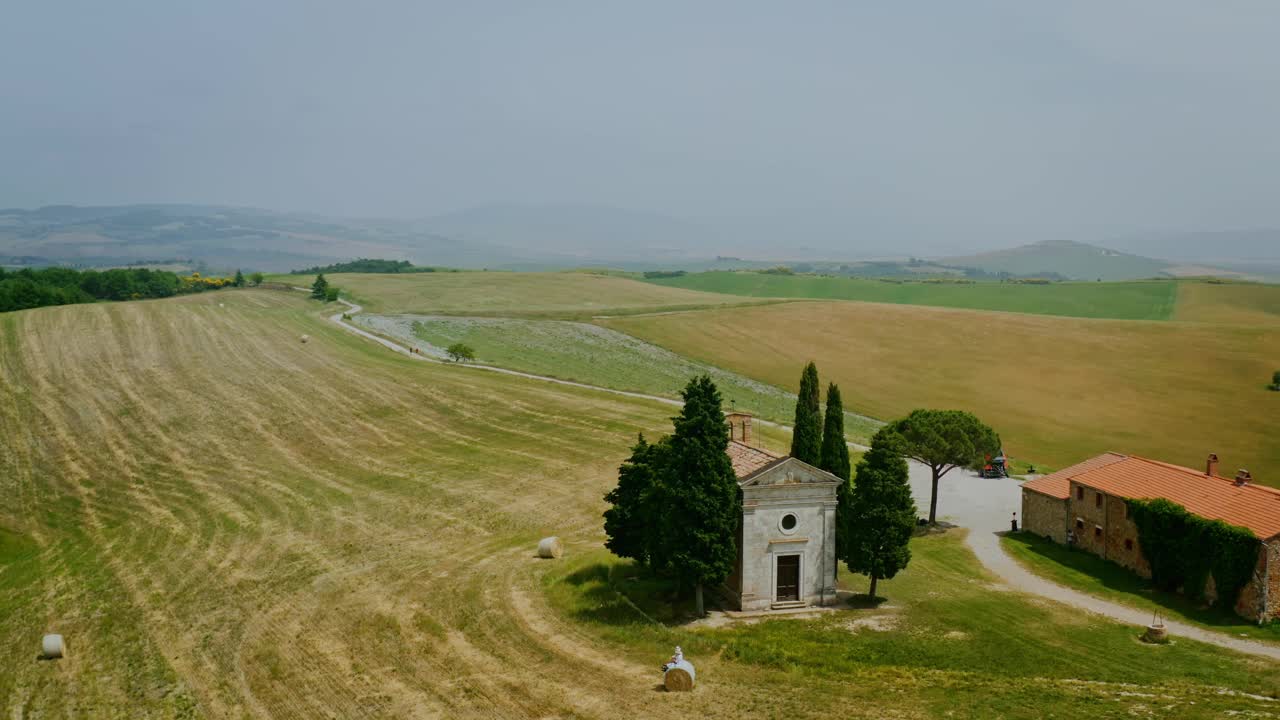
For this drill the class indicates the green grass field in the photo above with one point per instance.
(943, 644)
(570, 296)
(1091, 574)
(1058, 390)
(599, 356)
(1146, 300)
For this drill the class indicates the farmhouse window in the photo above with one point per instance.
(1097, 531)
(1097, 499)
(1079, 493)
(1128, 543)
(1079, 523)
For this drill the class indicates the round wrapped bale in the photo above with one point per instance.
(679, 677)
(305, 338)
(550, 547)
(52, 647)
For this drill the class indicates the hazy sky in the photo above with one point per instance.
(978, 120)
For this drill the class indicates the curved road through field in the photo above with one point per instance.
(984, 506)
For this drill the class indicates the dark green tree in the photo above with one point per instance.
(942, 439)
(834, 457)
(320, 288)
(461, 352)
(881, 517)
(239, 281)
(806, 437)
(627, 521)
(696, 497)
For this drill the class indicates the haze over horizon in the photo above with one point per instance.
(940, 127)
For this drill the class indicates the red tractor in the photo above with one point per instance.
(995, 467)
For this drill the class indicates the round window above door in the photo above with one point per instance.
(788, 524)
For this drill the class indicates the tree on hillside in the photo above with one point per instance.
(460, 352)
(806, 438)
(256, 278)
(697, 494)
(239, 281)
(320, 288)
(881, 517)
(628, 519)
(834, 457)
(942, 439)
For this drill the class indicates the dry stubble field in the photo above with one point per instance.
(225, 522)
(1058, 389)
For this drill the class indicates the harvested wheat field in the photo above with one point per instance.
(224, 522)
(1057, 389)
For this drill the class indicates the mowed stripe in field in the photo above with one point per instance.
(232, 523)
(1057, 389)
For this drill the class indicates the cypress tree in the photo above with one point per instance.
(806, 438)
(835, 457)
(881, 517)
(696, 497)
(320, 288)
(627, 521)
(239, 281)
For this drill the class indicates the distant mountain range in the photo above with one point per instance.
(545, 236)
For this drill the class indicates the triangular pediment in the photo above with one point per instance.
(788, 471)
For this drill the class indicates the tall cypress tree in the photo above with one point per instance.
(697, 505)
(806, 438)
(627, 521)
(835, 458)
(881, 517)
(320, 288)
(239, 281)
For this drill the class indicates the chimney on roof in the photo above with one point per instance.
(739, 426)
(1243, 477)
(1211, 467)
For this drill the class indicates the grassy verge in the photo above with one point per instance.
(945, 642)
(607, 358)
(1147, 300)
(1091, 574)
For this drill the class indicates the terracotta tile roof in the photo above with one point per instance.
(1058, 484)
(1256, 507)
(748, 460)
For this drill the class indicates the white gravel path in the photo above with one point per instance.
(984, 506)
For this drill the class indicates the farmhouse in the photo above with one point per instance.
(1085, 504)
(786, 537)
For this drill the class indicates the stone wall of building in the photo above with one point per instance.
(1045, 516)
(1122, 546)
(1087, 519)
(790, 489)
(1261, 597)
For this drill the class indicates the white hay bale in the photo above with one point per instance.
(679, 677)
(52, 647)
(305, 338)
(550, 547)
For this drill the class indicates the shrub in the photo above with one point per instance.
(330, 294)
(1275, 381)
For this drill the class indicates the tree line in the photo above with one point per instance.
(31, 288)
(370, 265)
(677, 505)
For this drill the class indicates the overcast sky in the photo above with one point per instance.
(977, 120)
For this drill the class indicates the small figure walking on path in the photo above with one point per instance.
(1014, 523)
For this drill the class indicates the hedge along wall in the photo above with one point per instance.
(1185, 549)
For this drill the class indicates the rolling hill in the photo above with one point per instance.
(1074, 260)
(220, 237)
